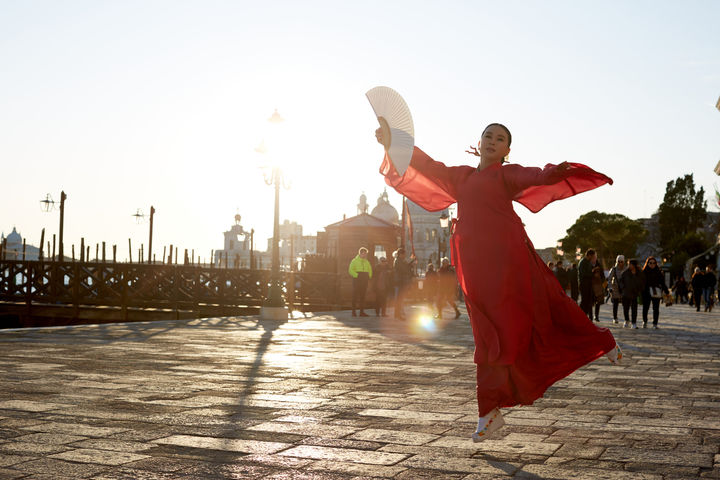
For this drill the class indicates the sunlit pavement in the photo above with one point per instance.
(329, 396)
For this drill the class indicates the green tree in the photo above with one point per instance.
(682, 211)
(690, 245)
(609, 234)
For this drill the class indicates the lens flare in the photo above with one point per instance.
(427, 323)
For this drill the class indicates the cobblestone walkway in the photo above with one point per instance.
(335, 397)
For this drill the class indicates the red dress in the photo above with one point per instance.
(528, 333)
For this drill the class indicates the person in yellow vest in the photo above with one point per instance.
(361, 272)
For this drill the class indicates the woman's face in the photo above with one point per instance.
(493, 144)
(652, 263)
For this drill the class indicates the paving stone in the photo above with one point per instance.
(77, 429)
(113, 445)
(55, 468)
(394, 436)
(8, 460)
(227, 471)
(103, 457)
(350, 468)
(276, 461)
(580, 451)
(410, 415)
(30, 448)
(226, 444)
(7, 474)
(133, 474)
(344, 455)
(315, 429)
(469, 465)
(666, 470)
(49, 438)
(31, 406)
(491, 445)
(341, 443)
(642, 455)
(551, 472)
(420, 474)
(335, 397)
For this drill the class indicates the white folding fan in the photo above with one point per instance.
(396, 123)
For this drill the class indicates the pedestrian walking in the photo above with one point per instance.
(447, 288)
(381, 285)
(562, 277)
(709, 282)
(528, 334)
(653, 291)
(614, 284)
(430, 284)
(680, 289)
(598, 288)
(402, 276)
(632, 284)
(585, 280)
(697, 282)
(573, 279)
(361, 272)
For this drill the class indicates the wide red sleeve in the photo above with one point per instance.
(430, 184)
(535, 188)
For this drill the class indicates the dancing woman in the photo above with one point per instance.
(528, 334)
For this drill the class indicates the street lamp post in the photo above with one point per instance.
(152, 214)
(63, 197)
(274, 299)
(441, 236)
(274, 307)
(444, 223)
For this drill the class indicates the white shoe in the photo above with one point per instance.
(615, 355)
(487, 425)
(627, 325)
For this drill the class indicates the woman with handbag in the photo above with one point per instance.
(614, 284)
(653, 291)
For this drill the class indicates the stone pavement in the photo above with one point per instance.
(335, 397)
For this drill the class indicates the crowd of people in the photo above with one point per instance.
(390, 283)
(629, 285)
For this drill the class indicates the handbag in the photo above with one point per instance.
(655, 292)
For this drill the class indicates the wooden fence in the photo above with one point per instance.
(125, 286)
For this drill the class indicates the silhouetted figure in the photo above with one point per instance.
(361, 272)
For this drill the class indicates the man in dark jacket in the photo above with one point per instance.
(573, 279)
(709, 290)
(585, 275)
(632, 283)
(448, 288)
(698, 284)
(562, 276)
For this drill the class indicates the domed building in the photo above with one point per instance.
(13, 247)
(430, 238)
(238, 250)
(384, 211)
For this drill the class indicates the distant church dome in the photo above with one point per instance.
(14, 238)
(363, 205)
(385, 211)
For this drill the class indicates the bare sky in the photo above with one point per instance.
(135, 103)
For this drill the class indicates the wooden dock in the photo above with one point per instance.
(51, 292)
